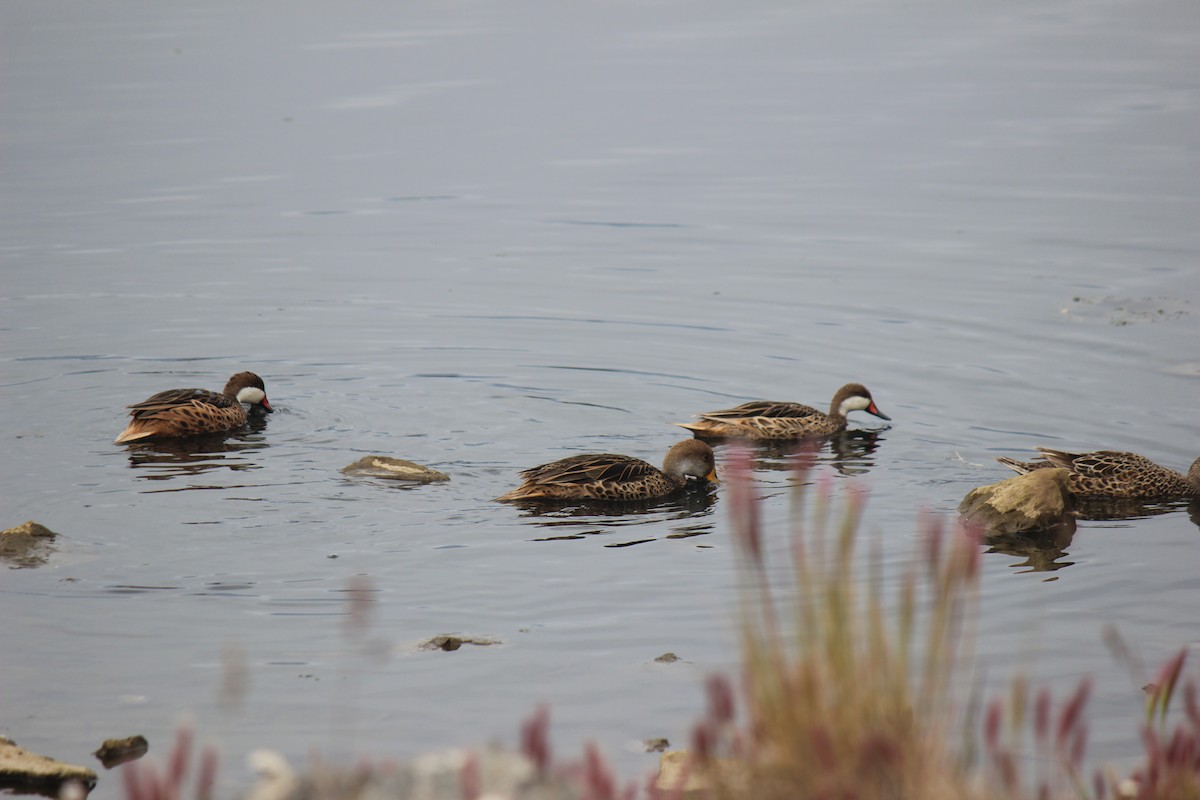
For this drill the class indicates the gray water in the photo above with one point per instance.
(484, 236)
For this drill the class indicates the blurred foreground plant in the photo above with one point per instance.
(854, 692)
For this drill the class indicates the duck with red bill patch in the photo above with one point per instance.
(176, 413)
(766, 420)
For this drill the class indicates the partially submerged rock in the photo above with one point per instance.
(682, 775)
(449, 642)
(117, 751)
(27, 545)
(396, 469)
(25, 772)
(1036, 501)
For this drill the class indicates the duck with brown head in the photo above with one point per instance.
(176, 413)
(608, 476)
(770, 420)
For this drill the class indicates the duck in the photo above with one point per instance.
(1114, 474)
(609, 476)
(768, 420)
(192, 412)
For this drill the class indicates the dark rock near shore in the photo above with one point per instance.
(25, 772)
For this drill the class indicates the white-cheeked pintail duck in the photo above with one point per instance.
(1111, 473)
(607, 476)
(768, 420)
(193, 412)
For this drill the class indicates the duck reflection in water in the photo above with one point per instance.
(164, 459)
(849, 452)
(586, 520)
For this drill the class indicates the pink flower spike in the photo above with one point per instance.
(207, 779)
(179, 757)
(535, 739)
(469, 777)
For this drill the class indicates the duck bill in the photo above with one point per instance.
(874, 409)
(712, 476)
(266, 406)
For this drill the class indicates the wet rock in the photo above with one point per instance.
(396, 469)
(447, 775)
(682, 776)
(1036, 501)
(449, 642)
(27, 545)
(25, 772)
(117, 751)
(667, 658)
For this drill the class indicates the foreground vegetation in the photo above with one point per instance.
(848, 691)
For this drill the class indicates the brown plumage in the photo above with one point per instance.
(192, 412)
(607, 476)
(765, 419)
(1111, 473)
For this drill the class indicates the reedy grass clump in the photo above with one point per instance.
(851, 692)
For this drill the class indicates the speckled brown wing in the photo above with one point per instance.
(594, 476)
(171, 399)
(764, 420)
(182, 412)
(1100, 464)
(590, 468)
(762, 408)
(1113, 473)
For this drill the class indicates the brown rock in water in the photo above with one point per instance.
(1036, 501)
(27, 545)
(25, 772)
(396, 469)
(117, 751)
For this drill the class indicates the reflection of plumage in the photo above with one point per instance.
(765, 419)
(1110, 473)
(607, 476)
(191, 412)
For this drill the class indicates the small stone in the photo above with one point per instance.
(396, 469)
(667, 658)
(449, 643)
(118, 751)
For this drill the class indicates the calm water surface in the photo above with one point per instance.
(483, 236)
